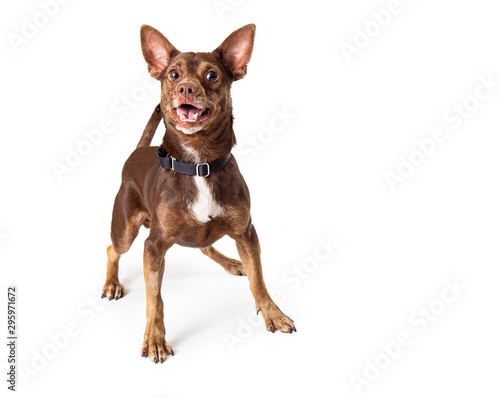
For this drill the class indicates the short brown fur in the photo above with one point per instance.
(162, 200)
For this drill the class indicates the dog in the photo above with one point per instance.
(189, 191)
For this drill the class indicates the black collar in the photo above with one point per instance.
(188, 168)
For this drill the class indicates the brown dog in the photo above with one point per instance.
(189, 191)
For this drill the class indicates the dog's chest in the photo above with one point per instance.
(205, 207)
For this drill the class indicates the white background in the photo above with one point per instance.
(319, 178)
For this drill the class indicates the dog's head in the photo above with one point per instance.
(195, 87)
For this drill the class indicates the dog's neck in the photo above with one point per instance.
(203, 146)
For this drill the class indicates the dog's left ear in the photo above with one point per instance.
(156, 49)
(236, 50)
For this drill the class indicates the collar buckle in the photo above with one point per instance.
(198, 169)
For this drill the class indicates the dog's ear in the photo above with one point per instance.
(156, 49)
(236, 50)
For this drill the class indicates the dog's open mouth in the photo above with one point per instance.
(189, 115)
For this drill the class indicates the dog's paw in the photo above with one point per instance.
(156, 348)
(276, 320)
(112, 291)
(235, 267)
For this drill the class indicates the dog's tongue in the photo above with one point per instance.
(188, 111)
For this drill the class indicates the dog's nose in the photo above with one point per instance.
(186, 90)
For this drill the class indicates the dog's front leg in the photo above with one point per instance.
(155, 347)
(249, 251)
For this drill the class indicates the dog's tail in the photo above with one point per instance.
(149, 131)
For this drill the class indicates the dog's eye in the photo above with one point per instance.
(212, 77)
(174, 75)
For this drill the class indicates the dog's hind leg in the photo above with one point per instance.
(125, 225)
(112, 288)
(232, 266)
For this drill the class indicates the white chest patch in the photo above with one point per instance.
(205, 207)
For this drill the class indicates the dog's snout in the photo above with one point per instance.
(186, 90)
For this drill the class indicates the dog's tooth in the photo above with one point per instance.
(195, 116)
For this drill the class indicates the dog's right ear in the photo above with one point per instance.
(156, 49)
